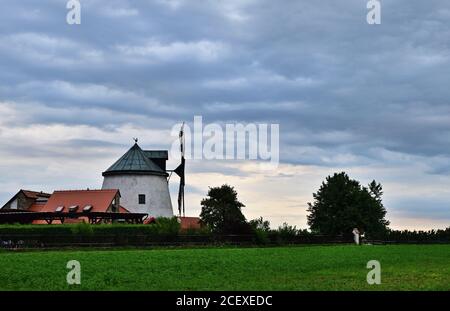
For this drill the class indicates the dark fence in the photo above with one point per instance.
(16, 241)
(49, 237)
(387, 242)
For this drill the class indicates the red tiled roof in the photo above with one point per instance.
(30, 195)
(189, 223)
(36, 207)
(123, 209)
(99, 199)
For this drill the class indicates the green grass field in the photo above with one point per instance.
(404, 267)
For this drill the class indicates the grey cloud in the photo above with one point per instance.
(344, 93)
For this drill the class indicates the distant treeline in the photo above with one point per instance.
(288, 233)
(416, 236)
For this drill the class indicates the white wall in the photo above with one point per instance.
(155, 188)
(13, 204)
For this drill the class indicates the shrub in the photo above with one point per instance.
(82, 229)
(287, 232)
(50, 230)
(202, 231)
(260, 230)
(261, 237)
(167, 226)
(260, 224)
(417, 236)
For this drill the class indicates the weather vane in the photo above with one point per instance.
(135, 140)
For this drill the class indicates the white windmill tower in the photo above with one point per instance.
(141, 177)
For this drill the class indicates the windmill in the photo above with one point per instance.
(180, 172)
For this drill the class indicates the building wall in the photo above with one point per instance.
(23, 202)
(13, 204)
(115, 205)
(20, 202)
(155, 188)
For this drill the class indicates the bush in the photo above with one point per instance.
(202, 231)
(163, 226)
(260, 224)
(416, 236)
(261, 237)
(82, 229)
(287, 232)
(49, 230)
(167, 226)
(167, 230)
(261, 230)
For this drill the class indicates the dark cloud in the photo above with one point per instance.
(344, 92)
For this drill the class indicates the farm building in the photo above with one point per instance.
(134, 188)
(24, 199)
(66, 206)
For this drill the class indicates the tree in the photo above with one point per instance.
(260, 224)
(376, 190)
(221, 211)
(261, 230)
(342, 204)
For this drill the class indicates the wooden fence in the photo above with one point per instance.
(14, 241)
(33, 241)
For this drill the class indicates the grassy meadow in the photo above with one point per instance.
(404, 267)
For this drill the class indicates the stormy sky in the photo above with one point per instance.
(371, 100)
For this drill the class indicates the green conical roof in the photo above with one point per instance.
(134, 162)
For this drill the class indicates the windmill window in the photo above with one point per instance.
(73, 208)
(142, 199)
(87, 208)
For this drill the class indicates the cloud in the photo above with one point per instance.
(373, 101)
(120, 12)
(154, 51)
(37, 49)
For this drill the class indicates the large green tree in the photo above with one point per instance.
(342, 204)
(221, 211)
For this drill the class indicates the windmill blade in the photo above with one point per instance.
(181, 200)
(182, 140)
(180, 171)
